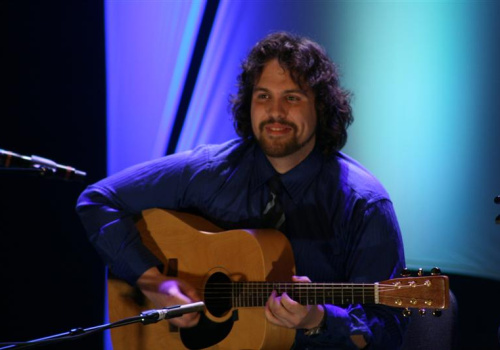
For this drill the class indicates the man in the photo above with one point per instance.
(291, 115)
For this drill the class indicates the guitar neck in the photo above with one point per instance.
(248, 294)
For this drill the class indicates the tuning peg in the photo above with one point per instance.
(420, 272)
(437, 313)
(405, 272)
(422, 312)
(406, 312)
(435, 271)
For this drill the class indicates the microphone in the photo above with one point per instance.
(153, 316)
(45, 167)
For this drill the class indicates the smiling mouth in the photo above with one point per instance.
(277, 129)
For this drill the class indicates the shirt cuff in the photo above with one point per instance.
(133, 262)
(337, 330)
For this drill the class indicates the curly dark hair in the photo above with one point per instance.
(308, 64)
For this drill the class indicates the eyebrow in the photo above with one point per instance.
(296, 91)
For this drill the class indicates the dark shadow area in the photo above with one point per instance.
(478, 312)
(55, 107)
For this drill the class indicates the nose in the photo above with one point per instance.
(276, 109)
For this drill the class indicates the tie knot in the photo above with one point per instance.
(275, 185)
(274, 215)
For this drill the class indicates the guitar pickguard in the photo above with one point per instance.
(206, 333)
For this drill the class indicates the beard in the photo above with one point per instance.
(279, 147)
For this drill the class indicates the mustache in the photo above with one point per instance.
(263, 124)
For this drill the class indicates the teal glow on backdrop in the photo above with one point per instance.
(424, 77)
(417, 70)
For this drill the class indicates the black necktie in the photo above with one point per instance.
(274, 215)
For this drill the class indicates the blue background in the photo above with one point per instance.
(424, 77)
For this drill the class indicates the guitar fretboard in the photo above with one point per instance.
(248, 294)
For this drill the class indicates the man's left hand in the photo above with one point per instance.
(283, 311)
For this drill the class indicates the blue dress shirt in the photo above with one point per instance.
(339, 220)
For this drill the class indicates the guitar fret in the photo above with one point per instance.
(252, 294)
(259, 294)
(255, 298)
(245, 294)
(242, 292)
(235, 294)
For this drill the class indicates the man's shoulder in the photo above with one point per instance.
(356, 179)
(222, 153)
(210, 158)
(228, 150)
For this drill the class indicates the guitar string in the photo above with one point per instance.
(243, 296)
(305, 286)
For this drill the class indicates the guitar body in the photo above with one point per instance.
(232, 270)
(195, 250)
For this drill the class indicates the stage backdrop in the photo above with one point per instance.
(425, 79)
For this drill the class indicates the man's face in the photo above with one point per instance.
(283, 115)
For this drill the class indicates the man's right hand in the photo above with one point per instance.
(165, 291)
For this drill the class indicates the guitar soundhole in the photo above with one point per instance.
(218, 294)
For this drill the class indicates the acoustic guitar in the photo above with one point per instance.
(235, 272)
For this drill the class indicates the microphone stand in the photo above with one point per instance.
(147, 317)
(497, 221)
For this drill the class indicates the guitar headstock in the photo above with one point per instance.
(421, 292)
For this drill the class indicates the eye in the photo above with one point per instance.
(292, 98)
(262, 96)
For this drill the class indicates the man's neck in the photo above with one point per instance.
(283, 165)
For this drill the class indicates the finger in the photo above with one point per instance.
(187, 320)
(284, 310)
(274, 302)
(189, 291)
(271, 304)
(191, 294)
(301, 279)
(272, 313)
(271, 317)
(275, 305)
(288, 303)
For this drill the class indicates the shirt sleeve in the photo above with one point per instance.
(376, 254)
(109, 209)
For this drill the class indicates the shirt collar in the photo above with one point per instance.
(295, 181)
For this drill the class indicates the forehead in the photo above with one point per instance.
(275, 77)
(274, 73)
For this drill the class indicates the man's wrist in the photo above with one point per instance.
(320, 327)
